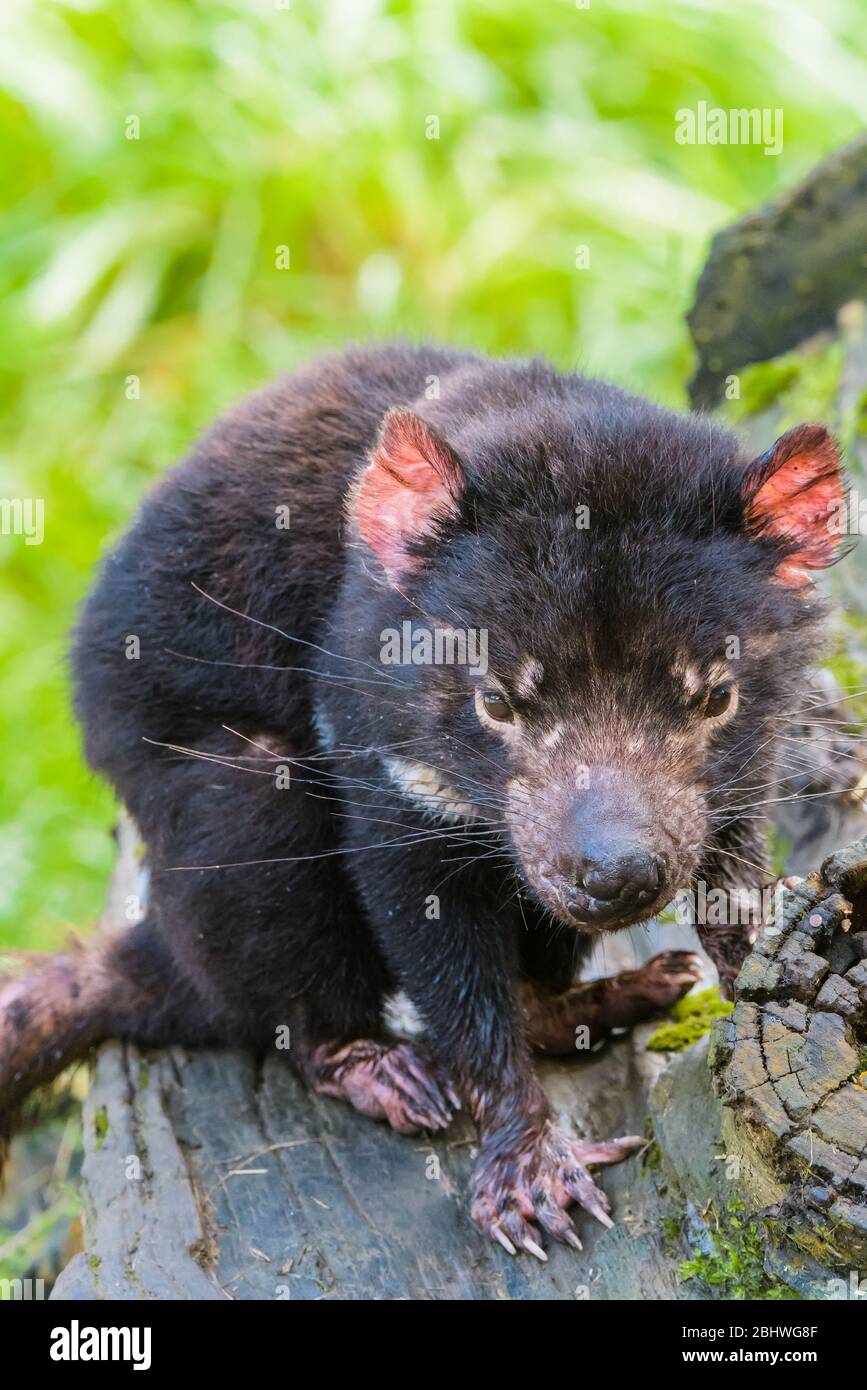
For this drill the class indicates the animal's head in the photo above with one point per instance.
(641, 598)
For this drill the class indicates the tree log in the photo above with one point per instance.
(791, 1068)
(781, 273)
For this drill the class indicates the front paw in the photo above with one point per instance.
(535, 1181)
(659, 984)
(396, 1082)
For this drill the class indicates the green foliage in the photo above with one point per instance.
(691, 1018)
(40, 1207)
(779, 851)
(802, 385)
(847, 667)
(305, 127)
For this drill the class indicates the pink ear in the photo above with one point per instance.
(413, 481)
(796, 491)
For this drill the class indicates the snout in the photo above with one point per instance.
(613, 881)
(609, 864)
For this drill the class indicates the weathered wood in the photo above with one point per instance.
(263, 1191)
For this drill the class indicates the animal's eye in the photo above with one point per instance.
(498, 707)
(718, 701)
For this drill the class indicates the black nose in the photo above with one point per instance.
(612, 879)
(627, 880)
(608, 867)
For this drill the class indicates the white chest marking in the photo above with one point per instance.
(401, 1017)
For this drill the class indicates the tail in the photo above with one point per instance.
(55, 1008)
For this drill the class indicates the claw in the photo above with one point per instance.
(591, 1201)
(610, 1150)
(583, 1190)
(397, 1082)
(537, 1184)
(501, 1236)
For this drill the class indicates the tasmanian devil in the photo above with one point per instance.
(421, 671)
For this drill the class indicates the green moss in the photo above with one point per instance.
(736, 1265)
(144, 1076)
(813, 1236)
(651, 1157)
(690, 1018)
(100, 1125)
(672, 1235)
